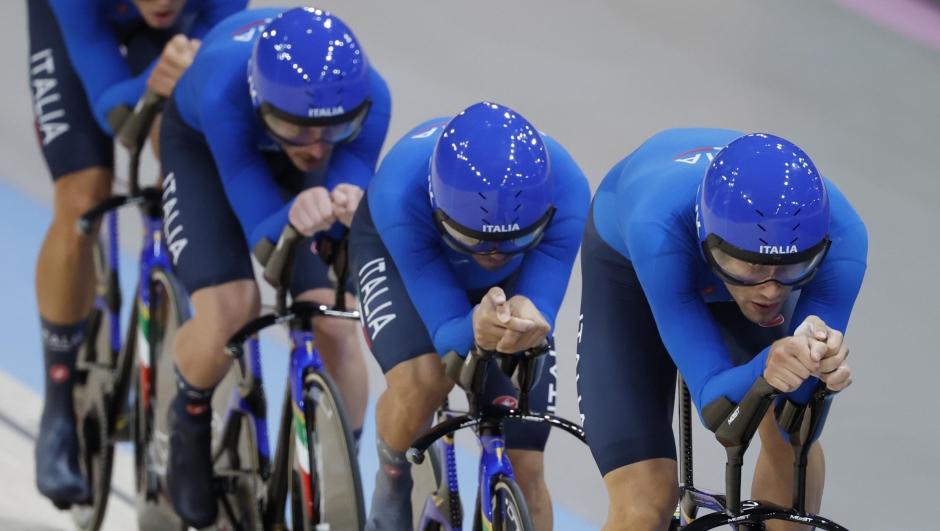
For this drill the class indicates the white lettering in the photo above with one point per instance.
(379, 323)
(47, 65)
(734, 415)
(501, 228)
(51, 131)
(552, 391)
(379, 268)
(177, 247)
(326, 113)
(778, 249)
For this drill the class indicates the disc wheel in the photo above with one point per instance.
(96, 453)
(326, 488)
(510, 512)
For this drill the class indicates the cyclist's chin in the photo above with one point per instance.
(306, 164)
(493, 262)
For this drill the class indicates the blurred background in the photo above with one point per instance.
(855, 83)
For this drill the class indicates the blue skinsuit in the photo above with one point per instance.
(89, 28)
(436, 277)
(645, 210)
(213, 98)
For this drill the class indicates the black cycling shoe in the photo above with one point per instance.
(189, 474)
(58, 475)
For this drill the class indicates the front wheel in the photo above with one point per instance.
(326, 487)
(510, 512)
(96, 452)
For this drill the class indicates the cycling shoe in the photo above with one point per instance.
(189, 474)
(391, 501)
(58, 475)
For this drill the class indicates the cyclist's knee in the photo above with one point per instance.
(78, 192)
(419, 381)
(643, 496)
(222, 310)
(528, 466)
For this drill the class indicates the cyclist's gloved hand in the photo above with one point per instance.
(792, 360)
(493, 318)
(177, 55)
(312, 211)
(515, 341)
(832, 367)
(345, 198)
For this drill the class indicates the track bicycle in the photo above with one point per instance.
(315, 462)
(500, 504)
(734, 426)
(109, 369)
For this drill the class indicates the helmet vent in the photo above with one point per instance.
(481, 195)
(761, 227)
(797, 226)
(794, 240)
(797, 212)
(759, 212)
(517, 207)
(763, 241)
(517, 193)
(484, 210)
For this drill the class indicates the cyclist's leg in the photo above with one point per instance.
(626, 388)
(80, 158)
(413, 371)
(337, 339)
(212, 261)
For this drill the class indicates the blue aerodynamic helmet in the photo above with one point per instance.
(309, 78)
(490, 182)
(763, 213)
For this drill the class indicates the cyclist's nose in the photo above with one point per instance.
(771, 290)
(317, 150)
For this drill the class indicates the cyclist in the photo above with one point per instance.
(90, 61)
(751, 271)
(468, 233)
(296, 140)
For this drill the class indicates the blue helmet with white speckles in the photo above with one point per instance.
(763, 212)
(308, 71)
(491, 183)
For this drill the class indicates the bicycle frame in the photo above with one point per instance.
(248, 399)
(802, 422)
(304, 357)
(489, 428)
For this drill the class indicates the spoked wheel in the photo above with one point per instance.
(753, 519)
(326, 488)
(155, 389)
(96, 358)
(510, 512)
(96, 452)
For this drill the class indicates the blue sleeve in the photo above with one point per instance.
(355, 163)
(246, 176)
(213, 12)
(95, 54)
(686, 326)
(415, 246)
(832, 293)
(546, 269)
